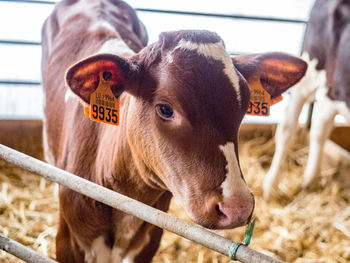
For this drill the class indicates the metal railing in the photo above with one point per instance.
(193, 232)
(160, 11)
(231, 16)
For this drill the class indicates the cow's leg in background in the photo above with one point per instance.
(285, 134)
(323, 123)
(303, 92)
(321, 128)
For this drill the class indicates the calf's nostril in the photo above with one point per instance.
(221, 214)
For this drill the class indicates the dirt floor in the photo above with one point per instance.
(298, 226)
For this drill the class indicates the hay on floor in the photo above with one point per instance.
(298, 226)
(28, 210)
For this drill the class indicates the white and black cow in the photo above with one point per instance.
(327, 50)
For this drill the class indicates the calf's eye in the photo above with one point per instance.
(165, 111)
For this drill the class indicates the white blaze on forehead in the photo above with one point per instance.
(233, 184)
(216, 51)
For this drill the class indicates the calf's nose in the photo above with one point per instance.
(218, 212)
(234, 212)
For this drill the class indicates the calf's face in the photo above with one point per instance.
(188, 98)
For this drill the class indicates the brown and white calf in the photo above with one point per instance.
(182, 100)
(327, 50)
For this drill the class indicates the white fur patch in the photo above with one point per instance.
(99, 252)
(116, 46)
(233, 184)
(328, 105)
(216, 51)
(69, 94)
(306, 88)
(101, 25)
(80, 7)
(116, 255)
(169, 57)
(129, 258)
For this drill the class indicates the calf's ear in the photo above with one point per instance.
(83, 77)
(276, 71)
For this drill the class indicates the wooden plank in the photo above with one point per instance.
(341, 136)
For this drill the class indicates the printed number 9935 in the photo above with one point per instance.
(258, 108)
(104, 114)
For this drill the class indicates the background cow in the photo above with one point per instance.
(182, 100)
(327, 50)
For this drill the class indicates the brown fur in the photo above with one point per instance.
(145, 156)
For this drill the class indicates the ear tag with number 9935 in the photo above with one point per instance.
(104, 106)
(260, 100)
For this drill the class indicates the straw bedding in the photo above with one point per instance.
(298, 226)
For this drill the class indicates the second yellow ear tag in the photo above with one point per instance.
(260, 100)
(104, 106)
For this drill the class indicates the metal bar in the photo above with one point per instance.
(17, 249)
(302, 44)
(309, 115)
(147, 213)
(232, 16)
(30, 1)
(35, 43)
(19, 42)
(20, 82)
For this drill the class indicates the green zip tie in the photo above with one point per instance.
(249, 232)
(247, 237)
(233, 250)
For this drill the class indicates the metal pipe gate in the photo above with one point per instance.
(147, 213)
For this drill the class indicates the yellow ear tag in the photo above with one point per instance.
(260, 100)
(104, 106)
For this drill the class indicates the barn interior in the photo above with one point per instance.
(297, 225)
